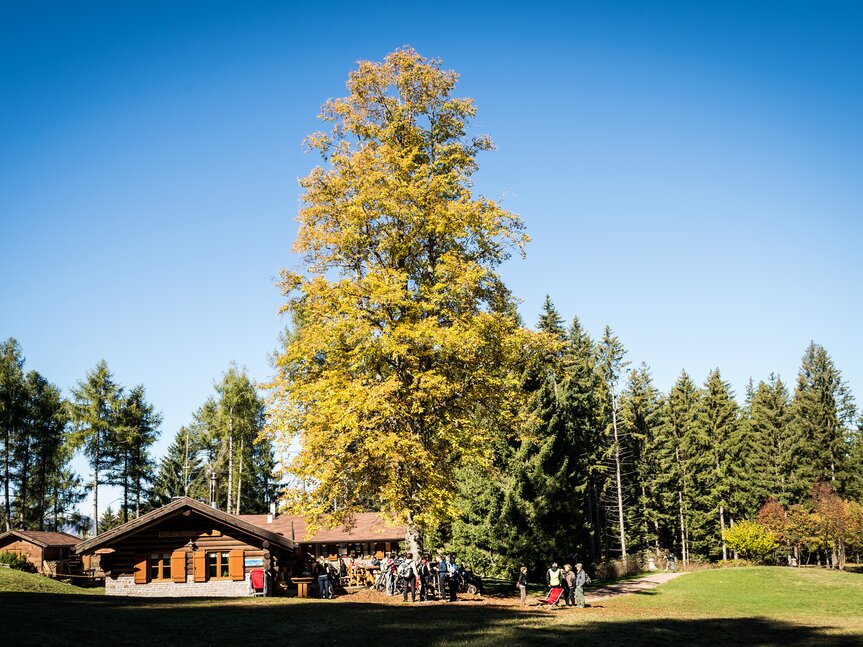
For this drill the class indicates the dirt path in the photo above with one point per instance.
(629, 586)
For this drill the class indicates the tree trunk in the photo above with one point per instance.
(591, 544)
(413, 543)
(618, 476)
(230, 458)
(96, 485)
(7, 504)
(722, 532)
(239, 478)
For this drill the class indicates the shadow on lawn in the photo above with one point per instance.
(49, 620)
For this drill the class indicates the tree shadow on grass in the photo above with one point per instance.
(51, 620)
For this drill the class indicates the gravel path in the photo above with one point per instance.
(629, 586)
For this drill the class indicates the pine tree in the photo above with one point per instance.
(94, 415)
(110, 519)
(823, 411)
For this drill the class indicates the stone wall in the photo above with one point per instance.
(189, 589)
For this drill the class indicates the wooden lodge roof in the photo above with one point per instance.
(177, 507)
(367, 527)
(42, 538)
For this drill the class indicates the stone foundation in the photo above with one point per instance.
(188, 589)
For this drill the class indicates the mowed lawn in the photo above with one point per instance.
(747, 606)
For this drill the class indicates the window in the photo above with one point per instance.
(159, 566)
(217, 566)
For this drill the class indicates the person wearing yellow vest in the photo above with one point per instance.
(554, 578)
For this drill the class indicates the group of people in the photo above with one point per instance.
(441, 579)
(571, 581)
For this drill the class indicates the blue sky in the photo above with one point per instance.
(690, 174)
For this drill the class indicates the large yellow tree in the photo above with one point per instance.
(398, 367)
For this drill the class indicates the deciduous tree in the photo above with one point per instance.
(404, 333)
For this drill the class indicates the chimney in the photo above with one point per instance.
(272, 512)
(214, 490)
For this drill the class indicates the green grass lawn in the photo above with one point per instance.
(746, 606)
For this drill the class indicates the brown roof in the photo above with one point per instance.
(367, 526)
(109, 537)
(43, 538)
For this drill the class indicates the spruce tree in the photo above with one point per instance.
(616, 451)
(580, 395)
(771, 457)
(823, 412)
(683, 456)
(640, 408)
(719, 416)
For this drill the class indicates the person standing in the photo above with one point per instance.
(581, 579)
(424, 571)
(323, 579)
(554, 578)
(521, 584)
(568, 585)
(442, 575)
(408, 571)
(672, 562)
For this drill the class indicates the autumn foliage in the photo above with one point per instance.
(398, 364)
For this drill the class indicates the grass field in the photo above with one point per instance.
(746, 606)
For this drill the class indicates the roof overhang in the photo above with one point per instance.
(174, 509)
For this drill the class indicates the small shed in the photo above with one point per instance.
(43, 549)
(188, 549)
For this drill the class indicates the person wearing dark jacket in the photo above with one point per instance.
(568, 585)
(521, 584)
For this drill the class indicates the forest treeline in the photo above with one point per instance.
(607, 465)
(114, 428)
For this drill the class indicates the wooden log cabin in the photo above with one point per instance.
(188, 548)
(48, 552)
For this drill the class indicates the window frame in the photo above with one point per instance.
(218, 561)
(159, 563)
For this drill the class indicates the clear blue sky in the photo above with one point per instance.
(691, 174)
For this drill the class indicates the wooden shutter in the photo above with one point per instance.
(140, 569)
(236, 566)
(199, 565)
(178, 566)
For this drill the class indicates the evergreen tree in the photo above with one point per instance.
(719, 416)
(12, 413)
(823, 411)
(39, 452)
(181, 470)
(94, 411)
(580, 395)
(110, 519)
(640, 410)
(227, 437)
(618, 453)
(771, 457)
(136, 431)
(683, 456)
